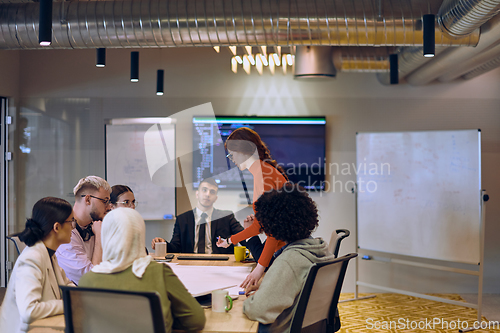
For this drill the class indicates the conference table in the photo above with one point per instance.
(233, 321)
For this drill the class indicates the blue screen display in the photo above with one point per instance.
(297, 144)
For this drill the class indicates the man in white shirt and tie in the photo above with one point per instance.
(196, 231)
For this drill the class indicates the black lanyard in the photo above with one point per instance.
(85, 233)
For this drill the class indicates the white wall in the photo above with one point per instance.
(352, 103)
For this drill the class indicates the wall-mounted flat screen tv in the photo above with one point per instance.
(296, 143)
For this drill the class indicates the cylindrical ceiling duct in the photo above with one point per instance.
(478, 61)
(448, 60)
(362, 59)
(461, 17)
(461, 10)
(409, 59)
(155, 23)
(490, 65)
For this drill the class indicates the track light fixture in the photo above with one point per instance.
(134, 66)
(45, 23)
(159, 82)
(100, 57)
(239, 54)
(429, 35)
(394, 70)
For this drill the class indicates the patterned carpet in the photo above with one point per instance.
(401, 313)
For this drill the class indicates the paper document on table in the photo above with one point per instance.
(202, 280)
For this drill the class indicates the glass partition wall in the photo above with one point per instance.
(53, 143)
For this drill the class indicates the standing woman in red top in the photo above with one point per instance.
(247, 151)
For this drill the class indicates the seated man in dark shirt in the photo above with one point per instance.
(196, 231)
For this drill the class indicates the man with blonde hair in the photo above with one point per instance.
(92, 196)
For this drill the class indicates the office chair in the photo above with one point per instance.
(103, 310)
(317, 306)
(337, 237)
(17, 243)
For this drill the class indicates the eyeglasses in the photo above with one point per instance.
(129, 203)
(104, 201)
(230, 156)
(72, 221)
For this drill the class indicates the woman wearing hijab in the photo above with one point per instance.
(33, 290)
(126, 266)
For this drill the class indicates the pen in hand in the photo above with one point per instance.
(243, 292)
(251, 289)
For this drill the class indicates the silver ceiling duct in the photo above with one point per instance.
(155, 23)
(462, 17)
(481, 60)
(457, 18)
(450, 61)
(362, 59)
(490, 65)
(409, 59)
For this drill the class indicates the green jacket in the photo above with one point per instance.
(276, 299)
(177, 303)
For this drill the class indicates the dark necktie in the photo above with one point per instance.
(202, 233)
(85, 233)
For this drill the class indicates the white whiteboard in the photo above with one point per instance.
(419, 193)
(127, 164)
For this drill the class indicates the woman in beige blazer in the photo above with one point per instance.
(33, 290)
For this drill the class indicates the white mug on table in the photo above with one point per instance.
(220, 300)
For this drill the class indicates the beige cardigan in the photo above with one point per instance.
(33, 290)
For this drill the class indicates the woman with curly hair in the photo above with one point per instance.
(33, 289)
(290, 216)
(248, 151)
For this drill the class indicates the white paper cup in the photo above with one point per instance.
(160, 249)
(221, 301)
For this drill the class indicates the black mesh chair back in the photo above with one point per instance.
(93, 310)
(317, 305)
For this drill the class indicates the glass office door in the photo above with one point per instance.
(7, 249)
